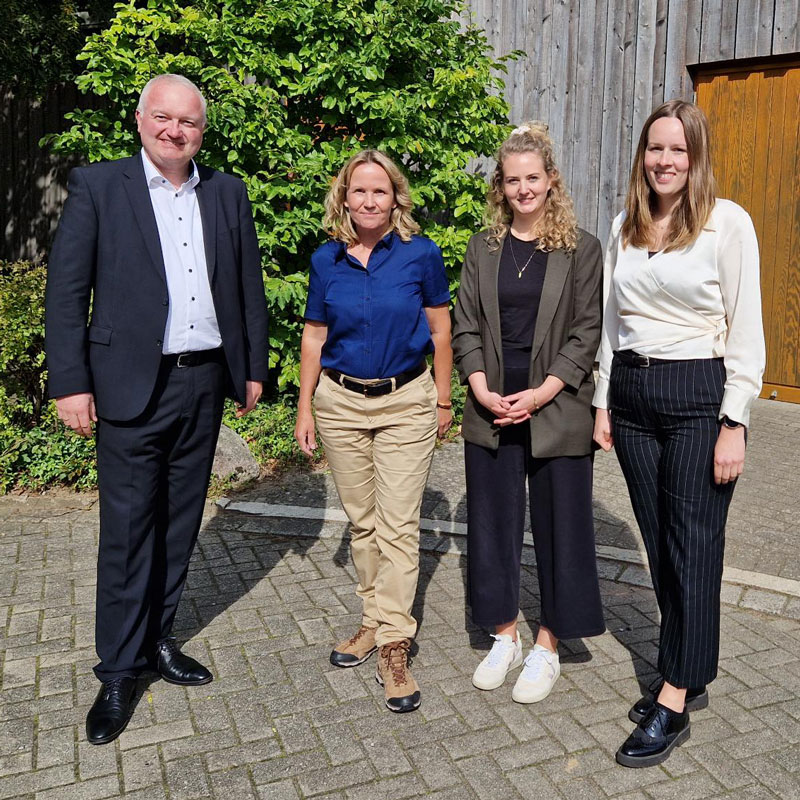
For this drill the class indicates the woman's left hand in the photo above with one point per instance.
(522, 406)
(444, 418)
(729, 454)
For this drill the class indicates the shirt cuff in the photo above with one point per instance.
(736, 405)
(567, 370)
(600, 399)
(471, 362)
(438, 300)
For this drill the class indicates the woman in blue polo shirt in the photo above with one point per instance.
(377, 306)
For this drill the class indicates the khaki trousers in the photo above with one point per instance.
(379, 450)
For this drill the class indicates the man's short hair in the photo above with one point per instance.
(169, 77)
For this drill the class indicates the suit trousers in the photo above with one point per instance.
(153, 477)
(379, 450)
(560, 497)
(665, 426)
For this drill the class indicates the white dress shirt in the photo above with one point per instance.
(703, 301)
(191, 320)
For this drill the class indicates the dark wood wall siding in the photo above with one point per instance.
(594, 70)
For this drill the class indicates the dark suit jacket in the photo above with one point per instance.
(565, 342)
(107, 256)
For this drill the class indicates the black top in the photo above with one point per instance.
(518, 297)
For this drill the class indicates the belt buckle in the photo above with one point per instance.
(644, 361)
(180, 363)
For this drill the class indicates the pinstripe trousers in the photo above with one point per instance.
(665, 426)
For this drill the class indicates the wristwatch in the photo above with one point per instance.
(729, 423)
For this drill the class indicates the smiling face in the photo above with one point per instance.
(171, 126)
(666, 159)
(370, 199)
(525, 187)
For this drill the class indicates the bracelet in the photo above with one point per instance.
(445, 406)
(535, 404)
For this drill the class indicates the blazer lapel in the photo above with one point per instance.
(558, 266)
(489, 267)
(207, 200)
(135, 184)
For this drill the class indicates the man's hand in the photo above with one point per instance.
(77, 411)
(253, 392)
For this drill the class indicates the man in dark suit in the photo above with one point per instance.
(164, 256)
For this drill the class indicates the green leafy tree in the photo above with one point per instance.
(39, 40)
(294, 88)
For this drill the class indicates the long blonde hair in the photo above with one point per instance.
(697, 202)
(559, 227)
(337, 218)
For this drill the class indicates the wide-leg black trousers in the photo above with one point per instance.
(560, 494)
(665, 425)
(153, 477)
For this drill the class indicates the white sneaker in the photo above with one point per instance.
(505, 654)
(538, 676)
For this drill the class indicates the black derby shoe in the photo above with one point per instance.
(110, 711)
(176, 667)
(696, 699)
(654, 737)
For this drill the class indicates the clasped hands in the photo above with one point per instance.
(512, 409)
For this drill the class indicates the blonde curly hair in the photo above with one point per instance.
(337, 220)
(558, 228)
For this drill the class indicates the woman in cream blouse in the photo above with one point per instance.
(681, 359)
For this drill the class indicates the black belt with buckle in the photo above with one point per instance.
(194, 358)
(633, 359)
(377, 388)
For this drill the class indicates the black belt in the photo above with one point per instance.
(633, 359)
(193, 359)
(377, 388)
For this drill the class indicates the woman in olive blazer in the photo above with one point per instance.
(527, 328)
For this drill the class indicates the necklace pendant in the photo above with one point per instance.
(519, 274)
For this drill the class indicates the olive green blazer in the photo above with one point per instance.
(565, 343)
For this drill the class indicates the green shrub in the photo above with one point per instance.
(295, 87)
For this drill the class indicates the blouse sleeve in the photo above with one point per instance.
(467, 344)
(435, 288)
(315, 303)
(745, 354)
(609, 338)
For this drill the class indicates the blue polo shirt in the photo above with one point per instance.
(376, 324)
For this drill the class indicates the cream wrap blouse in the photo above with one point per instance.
(700, 302)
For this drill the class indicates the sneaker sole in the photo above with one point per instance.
(413, 706)
(695, 704)
(487, 686)
(658, 758)
(351, 663)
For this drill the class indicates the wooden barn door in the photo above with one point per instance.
(754, 114)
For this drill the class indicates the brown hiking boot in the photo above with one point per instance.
(393, 673)
(355, 650)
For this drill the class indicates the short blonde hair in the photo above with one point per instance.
(697, 202)
(559, 228)
(337, 218)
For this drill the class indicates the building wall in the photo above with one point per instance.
(596, 68)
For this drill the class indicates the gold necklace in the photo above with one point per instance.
(514, 256)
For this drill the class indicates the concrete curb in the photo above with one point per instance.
(752, 590)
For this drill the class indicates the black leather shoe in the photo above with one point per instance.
(110, 711)
(654, 737)
(176, 667)
(696, 699)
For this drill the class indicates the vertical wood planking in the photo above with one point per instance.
(645, 42)
(659, 54)
(791, 213)
(727, 32)
(786, 36)
(562, 78)
(627, 135)
(711, 23)
(747, 28)
(675, 56)
(585, 177)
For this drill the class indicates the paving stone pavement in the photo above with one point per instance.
(265, 600)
